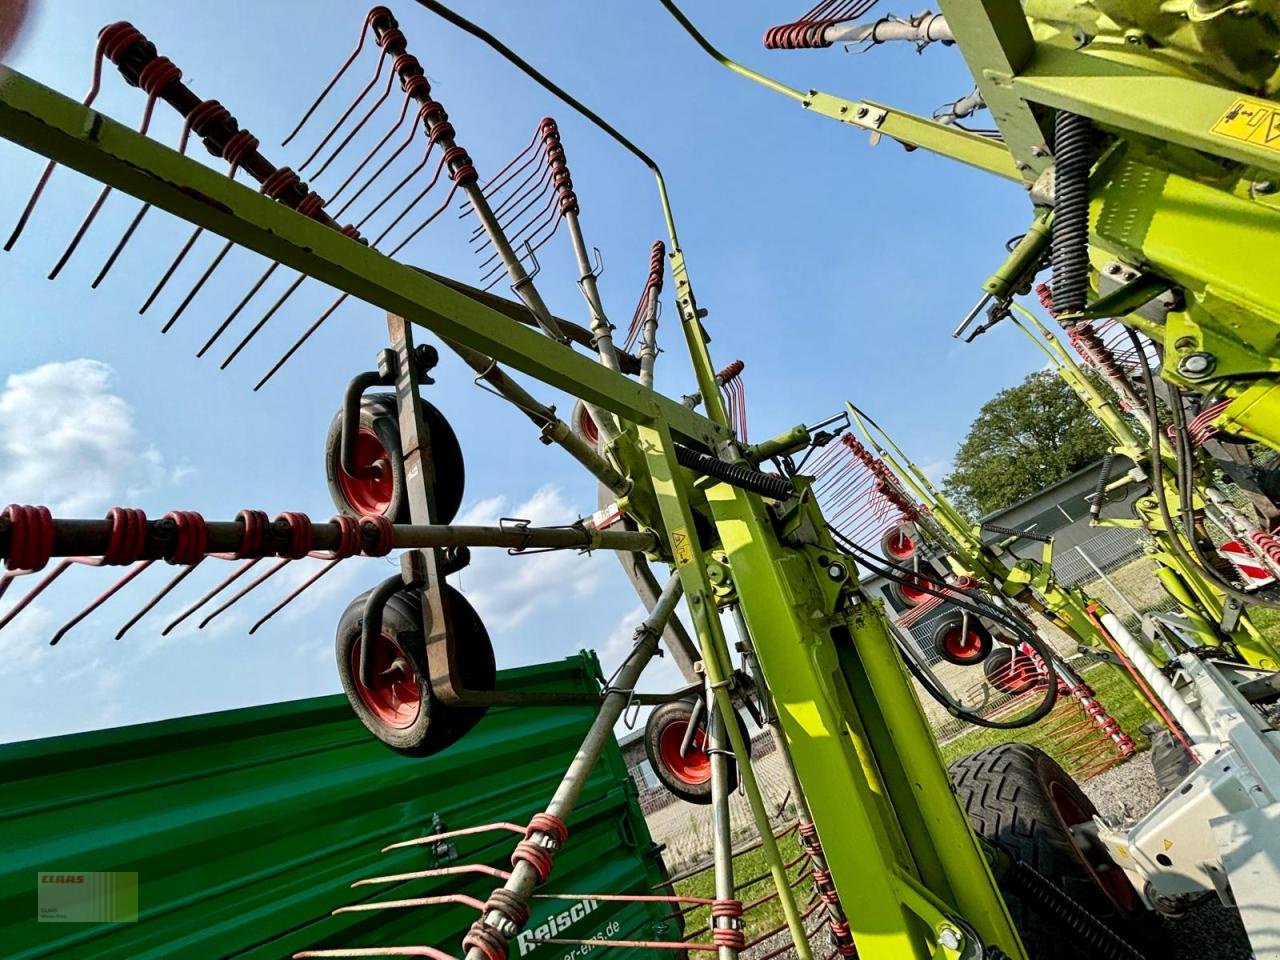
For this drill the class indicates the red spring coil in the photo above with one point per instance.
(1090, 346)
(349, 538)
(238, 147)
(312, 205)
(657, 257)
(127, 540)
(538, 857)
(299, 544)
(254, 537)
(487, 940)
(404, 65)
(30, 537)
(432, 110)
(157, 75)
(391, 37)
(117, 39)
(383, 529)
(464, 172)
(416, 84)
(1045, 293)
(204, 115)
(275, 185)
(730, 372)
(560, 177)
(378, 14)
(192, 540)
(794, 36)
(549, 824)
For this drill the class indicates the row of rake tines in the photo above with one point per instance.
(506, 914)
(861, 497)
(530, 195)
(181, 538)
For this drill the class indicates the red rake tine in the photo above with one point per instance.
(461, 898)
(450, 834)
(404, 112)
(120, 34)
(492, 186)
(31, 594)
(456, 870)
(102, 598)
(431, 952)
(345, 114)
(204, 278)
(413, 135)
(155, 76)
(262, 321)
(257, 582)
(295, 594)
(150, 604)
(243, 569)
(374, 14)
(244, 301)
(351, 134)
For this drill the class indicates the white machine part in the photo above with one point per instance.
(1219, 829)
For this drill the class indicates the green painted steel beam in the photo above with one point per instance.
(1131, 98)
(51, 124)
(996, 43)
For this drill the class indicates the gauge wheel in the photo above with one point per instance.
(1011, 671)
(398, 707)
(1018, 797)
(914, 589)
(688, 777)
(962, 640)
(377, 488)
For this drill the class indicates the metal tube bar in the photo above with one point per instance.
(75, 538)
(721, 830)
(1108, 581)
(524, 877)
(1177, 705)
(649, 338)
(601, 332)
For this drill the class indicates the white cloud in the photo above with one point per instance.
(69, 442)
(506, 591)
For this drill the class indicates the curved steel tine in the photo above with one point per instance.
(506, 218)
(297, 344)
(271, 312)
(517, 192)
(328, 87)
(137, 219)
(258, 581)
(396, 189)
(346, 113)
(89, 217)
(295, 594)
(549, 209)
(243, 569)
(492, 186)
(404, 111)
(204, 277)
(414, 902)
(413, 133)
(94, 86)
(266, 275)
(150, 604)
(31, 594)
(102, 598)
(168, 274)
(450, 834)
(457, 869)
(386, 92)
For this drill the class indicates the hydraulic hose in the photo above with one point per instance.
(1072, 158)
(1100, 491)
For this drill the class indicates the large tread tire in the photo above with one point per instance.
(436, 725)
(379, 416)
(1013, 794)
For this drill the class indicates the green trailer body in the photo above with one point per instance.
(247, 827)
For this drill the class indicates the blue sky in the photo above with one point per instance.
(831, 268)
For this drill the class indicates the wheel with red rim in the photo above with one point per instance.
(1018, 797)
(1011, 671)
(376, 487)
(913, 590)
(398, 706)
(898, 543)
(688, 776)
(585, 425)
(962, 639)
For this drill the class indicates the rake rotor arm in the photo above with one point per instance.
(908, 129)
(76, 538)
(921, 29)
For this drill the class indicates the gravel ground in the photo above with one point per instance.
(1209, 930)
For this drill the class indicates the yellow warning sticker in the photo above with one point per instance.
(1251, 121)
(1168, 844)
(681, 547)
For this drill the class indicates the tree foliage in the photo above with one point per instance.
(1025, 438)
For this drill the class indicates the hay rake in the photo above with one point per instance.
(896, 863)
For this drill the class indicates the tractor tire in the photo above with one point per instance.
(687, 777)
(400, 709)
(1017, 797)
(378, 487)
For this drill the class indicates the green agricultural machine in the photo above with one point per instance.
(1139, 139)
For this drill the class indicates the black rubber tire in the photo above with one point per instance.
(1008, 793)
(378, 414)
(679, 712)
(437, 726)
(900, 595)
(956, 621)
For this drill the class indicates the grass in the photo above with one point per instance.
(748, 866)
(1113, 690)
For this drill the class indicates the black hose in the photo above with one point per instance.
(736, 475)
(1100, 491)
(1072, 159)
(933, 587)
(1104, 942)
